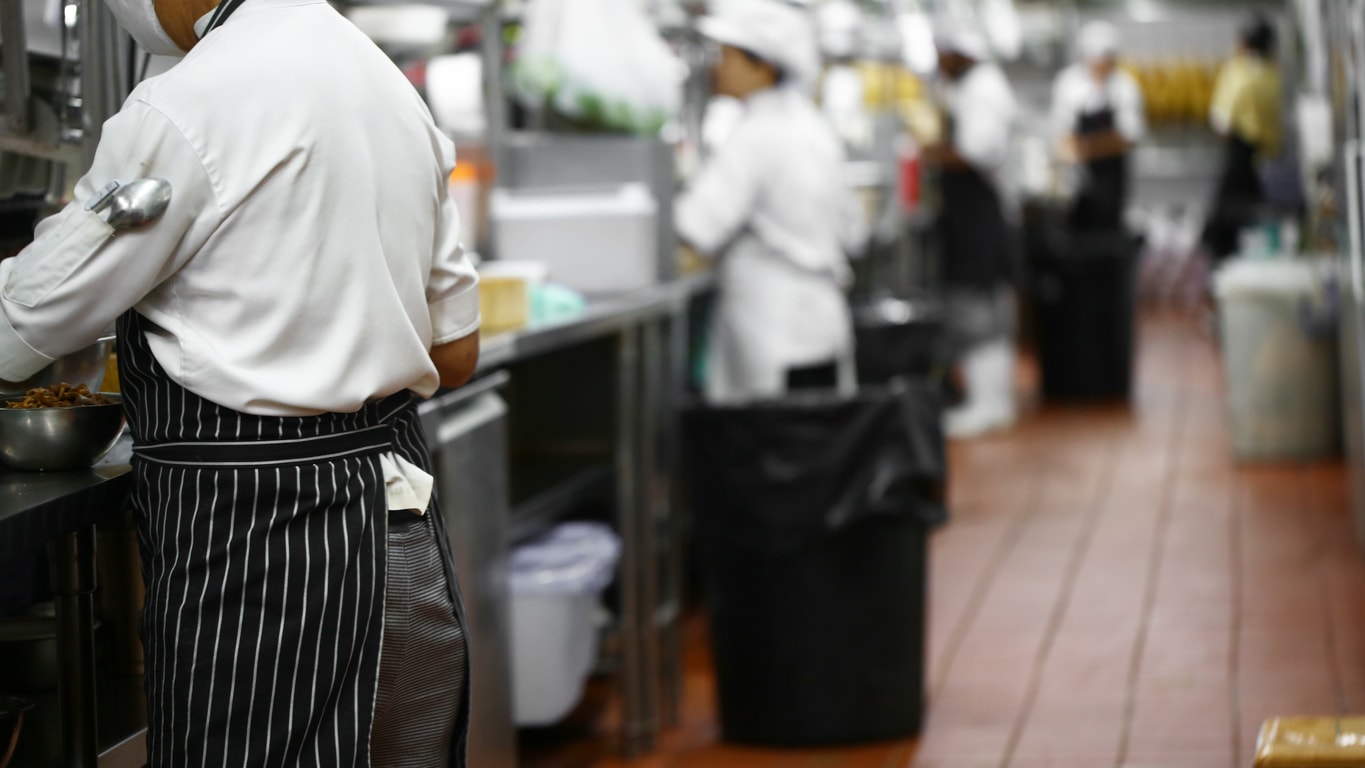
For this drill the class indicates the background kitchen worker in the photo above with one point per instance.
(976, 236)
(772, 204)
(1097, 113)
(1245, 111)
(274, 324)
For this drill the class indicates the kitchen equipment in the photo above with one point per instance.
(28, 644)
(84, 366)
(70, 437)
(598, 241)
(12, 709)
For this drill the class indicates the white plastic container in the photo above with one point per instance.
(596, 241)
(556, 585)
(1281, 372)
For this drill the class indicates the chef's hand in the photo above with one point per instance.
(943, 155)
(1070, 149)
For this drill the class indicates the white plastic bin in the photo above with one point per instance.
(556, 583)
(1280, 367)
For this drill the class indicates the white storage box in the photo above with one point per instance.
(556, 585)
(598, 241)
(1280, 369)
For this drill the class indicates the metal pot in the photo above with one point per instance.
(12, 709)
(84, 366)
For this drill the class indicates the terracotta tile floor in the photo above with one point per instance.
(1111, 591)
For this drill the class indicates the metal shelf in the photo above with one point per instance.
(545, 491)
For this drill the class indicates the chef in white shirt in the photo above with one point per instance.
(976, 236)
(770, 203)
(1097, 115)
(276, 324)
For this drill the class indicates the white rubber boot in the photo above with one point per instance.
(989, 373)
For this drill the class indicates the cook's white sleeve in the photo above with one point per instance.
(1129, 109)
(453, 288)
(721, 198)
(62, 291)
(1064, 105)
(982, 122)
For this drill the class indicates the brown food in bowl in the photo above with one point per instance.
(59, 396)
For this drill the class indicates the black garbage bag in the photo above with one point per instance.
(812, 517)
(899, 337)
(1084, 289)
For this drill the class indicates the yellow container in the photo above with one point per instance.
(504, 303)
(1311, 742)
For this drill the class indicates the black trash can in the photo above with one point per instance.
(1084, 288)
(898, 337)
(812, 517)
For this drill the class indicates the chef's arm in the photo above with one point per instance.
(456, 360)
(67, 287)
(1100, 145)
(721, 197)
(453, 299)
(944, 155)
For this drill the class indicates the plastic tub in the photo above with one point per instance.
(1279, 365)
(556, 584)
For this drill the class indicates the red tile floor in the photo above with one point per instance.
(1112, 590)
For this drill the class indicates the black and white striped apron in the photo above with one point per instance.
(265, 555)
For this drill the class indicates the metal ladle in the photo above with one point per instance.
(132, 204)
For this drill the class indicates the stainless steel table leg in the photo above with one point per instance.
(634, 728)
(73, 581)
(674, 377)
(652, 510)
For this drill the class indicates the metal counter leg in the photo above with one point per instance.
(73, 580)
(636, 734)
(653, 508)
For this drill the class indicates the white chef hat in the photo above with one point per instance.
(840, 27)
(769, 29)
(959, 35)
(1098, 40)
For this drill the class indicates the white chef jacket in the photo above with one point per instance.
(773, 201)
(1075, 93)
(309, 258)
(983, 110)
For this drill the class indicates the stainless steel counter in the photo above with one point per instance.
(604, 316)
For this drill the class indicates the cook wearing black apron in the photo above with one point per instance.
(1103, 195)
(974, 239)
(1236, 198)
(268, 550)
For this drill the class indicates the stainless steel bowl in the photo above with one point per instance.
(84, 366)
(73, 437)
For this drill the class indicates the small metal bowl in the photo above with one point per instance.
(84, 366)
(72, 437)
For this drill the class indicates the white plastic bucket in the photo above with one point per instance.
(556, 584)
(1281, 376)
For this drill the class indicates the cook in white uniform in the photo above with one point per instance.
(772, 205)
(1097, 117)
(274, 325)
(976, 237)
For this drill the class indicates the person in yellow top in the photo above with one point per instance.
(1246, 112)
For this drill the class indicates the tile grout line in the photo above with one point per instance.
(1008, 540)
(1323, 564)
(1238, 558)
(1103, 492)
(1154, 563)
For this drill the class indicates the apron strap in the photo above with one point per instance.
(221, 14)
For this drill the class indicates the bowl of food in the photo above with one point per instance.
(59, 427)
(84, 366)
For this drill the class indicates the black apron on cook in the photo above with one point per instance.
(1236, 201)
(1100, 202)
(974, 239)
(264, 544)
